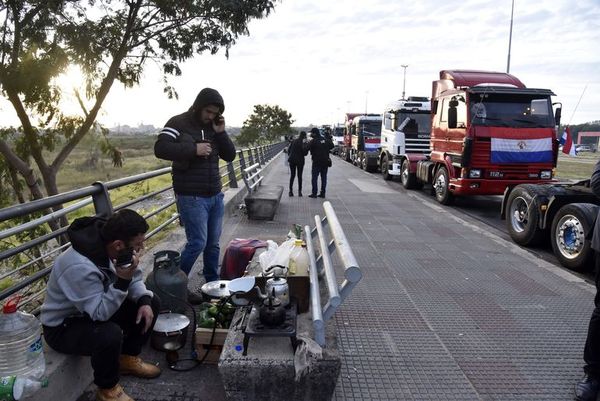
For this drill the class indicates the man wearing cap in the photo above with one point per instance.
(195, 141)
(319, 147)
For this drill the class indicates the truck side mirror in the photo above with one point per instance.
(557, 115)
(452, 117)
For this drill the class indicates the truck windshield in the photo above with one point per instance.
(370, 128)
(421, 122)
(521, 111)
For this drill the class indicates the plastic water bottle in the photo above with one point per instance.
(21, 352)
(298, 263)
(14, 388)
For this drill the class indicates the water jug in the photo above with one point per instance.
(168, 281)
(298, 263)
(15, 388)
(21, 352)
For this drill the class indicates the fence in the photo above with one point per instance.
(28, 278)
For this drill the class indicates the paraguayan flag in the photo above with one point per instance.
(521, 150)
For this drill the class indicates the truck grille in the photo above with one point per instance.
(417, 145)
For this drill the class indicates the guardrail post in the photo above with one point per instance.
(257, 156)
(102, 202)
(231, 173)
(250, 156)
(242, 160)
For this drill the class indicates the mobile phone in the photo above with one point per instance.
(125, 258)
(217, 119)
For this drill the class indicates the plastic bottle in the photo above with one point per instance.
(298, 263)
(21, 352)
(14, 388)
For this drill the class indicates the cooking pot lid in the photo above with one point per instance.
(170, 322)
(216, 289)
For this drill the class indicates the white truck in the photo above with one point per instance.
(405, 138)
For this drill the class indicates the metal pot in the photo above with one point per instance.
(169, 332)
(215, 289)
(271, 312)
(278, 288)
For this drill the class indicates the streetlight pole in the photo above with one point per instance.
(366, 101)
(510, 36)
(404, 83)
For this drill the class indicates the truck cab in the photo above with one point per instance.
(365, 134)
(405, 138)
(489, 132)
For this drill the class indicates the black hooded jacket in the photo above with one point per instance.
(195, 175)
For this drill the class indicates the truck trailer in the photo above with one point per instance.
(405, 134)
(488, 132)
(562, 213)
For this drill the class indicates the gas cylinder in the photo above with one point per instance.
(21, 352)
(168, 281)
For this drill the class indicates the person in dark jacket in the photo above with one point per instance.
(195, 141)
(588, 388)
(319, 147)
(97, 304)
(296, 153)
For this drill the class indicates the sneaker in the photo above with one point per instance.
(312, 196)
(135, 366)
(193, 298)
(587, 389)
(112, 394)
(291, 193)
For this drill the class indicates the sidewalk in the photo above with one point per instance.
(445, 310)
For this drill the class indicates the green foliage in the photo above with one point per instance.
(265, 125)
(109, 41)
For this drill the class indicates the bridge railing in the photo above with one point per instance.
(33, 233)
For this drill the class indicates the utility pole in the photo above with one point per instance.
(512, 10)
(366, 101)
(404, 83)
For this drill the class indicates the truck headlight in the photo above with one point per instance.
(546, 174)
(475, 173)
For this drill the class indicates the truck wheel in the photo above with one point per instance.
(385, 169)
(369, 168)
(441, 183)
(522, 216)
(571, 229)
(347, 156)
(408, 179)
(363, 163)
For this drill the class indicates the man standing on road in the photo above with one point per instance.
(319, 149)
(97, 304)
(195, 141)
(587, 389)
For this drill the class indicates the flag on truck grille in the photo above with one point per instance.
(567, 143)
(506, 150)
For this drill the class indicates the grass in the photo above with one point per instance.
(576, 168)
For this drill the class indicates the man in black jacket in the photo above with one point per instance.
(589, 387)
(194, 141)
(319, 149)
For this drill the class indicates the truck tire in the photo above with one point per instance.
(570, 233)
(441, 187)
(385, 169)
(369, 168)
(409, 180)
(522, 218)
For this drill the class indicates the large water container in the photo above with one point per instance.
(168, 281)
(298, 263)
(21, 352)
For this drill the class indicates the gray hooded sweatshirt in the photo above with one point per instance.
(83, 280)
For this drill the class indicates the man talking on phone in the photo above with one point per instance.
(195, 141)
(97, 304)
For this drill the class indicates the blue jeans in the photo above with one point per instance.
(316, 171)
(202, 219)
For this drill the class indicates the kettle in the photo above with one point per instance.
(277, 286)
(271, 311)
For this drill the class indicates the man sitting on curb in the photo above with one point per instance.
(97, 304)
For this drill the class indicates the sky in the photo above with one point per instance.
(320, 59)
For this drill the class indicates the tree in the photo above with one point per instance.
(266, 124)
(109, 40)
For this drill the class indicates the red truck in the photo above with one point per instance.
(488, 133)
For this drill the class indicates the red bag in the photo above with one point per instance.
(238, 254)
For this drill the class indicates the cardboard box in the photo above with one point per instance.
(203, 344)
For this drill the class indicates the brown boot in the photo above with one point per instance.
(112, 394)
(134, 366)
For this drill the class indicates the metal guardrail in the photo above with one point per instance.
(30, 276)
(323, 267)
